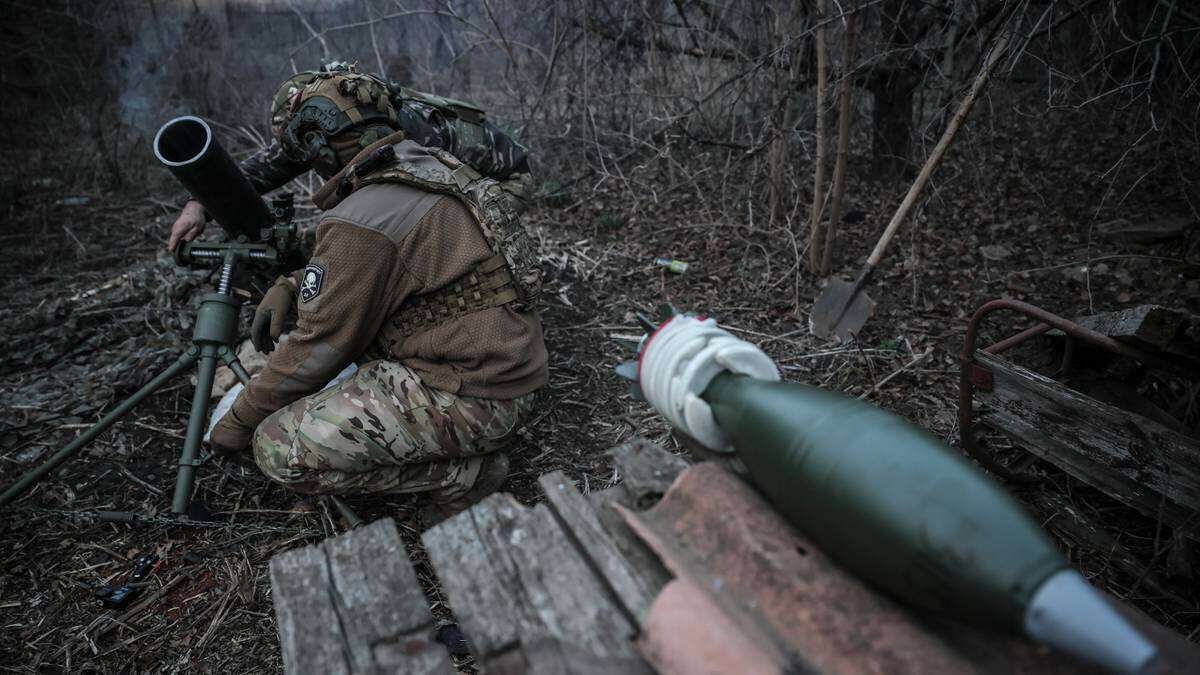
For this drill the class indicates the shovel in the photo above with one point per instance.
(842, 308)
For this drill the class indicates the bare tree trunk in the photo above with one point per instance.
(777, 152)
(843, 152)
(892, 88)
(815, 247)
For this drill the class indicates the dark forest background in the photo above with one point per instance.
(622, 92)
(689, 130)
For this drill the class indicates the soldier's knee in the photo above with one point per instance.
(270, 454)
(274, 446)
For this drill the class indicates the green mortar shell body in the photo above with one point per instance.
(887, 500)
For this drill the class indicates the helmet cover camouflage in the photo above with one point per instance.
(311, 108)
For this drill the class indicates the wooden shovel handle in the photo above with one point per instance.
(935, 157)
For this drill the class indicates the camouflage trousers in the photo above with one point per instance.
(383, 430)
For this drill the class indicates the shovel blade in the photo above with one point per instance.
(839, 312)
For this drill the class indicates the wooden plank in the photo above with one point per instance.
(634, 587)
(1135, 460)
(1147, 325)
(374, 584)
(353, 604)
(512, 576)
(547, 656)
(632, 548)
(300, 594)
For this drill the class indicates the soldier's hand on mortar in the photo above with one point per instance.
(189, 225)
(268, 318)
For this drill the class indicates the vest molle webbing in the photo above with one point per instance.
(488, 285)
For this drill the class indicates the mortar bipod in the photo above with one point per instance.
(212, 339)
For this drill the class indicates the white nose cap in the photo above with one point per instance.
(1069, 614)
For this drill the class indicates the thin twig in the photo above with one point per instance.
(916, 359)
(319, 35)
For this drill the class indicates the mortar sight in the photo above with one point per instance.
(188, 148)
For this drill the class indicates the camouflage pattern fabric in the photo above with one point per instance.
(384, 431)
(269, 168)
(483, 146)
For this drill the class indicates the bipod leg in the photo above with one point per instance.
(230, 358)
(195, 429)
(27, 481)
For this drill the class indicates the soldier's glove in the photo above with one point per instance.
(271, 312)
(230, 438)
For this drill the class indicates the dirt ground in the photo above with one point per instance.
(93, 307)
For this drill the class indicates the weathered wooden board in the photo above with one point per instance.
(353, 604)
(630, 547)
(1146, 325)
(513, 576)
(634, 587)
(647, 471)
(547, 656)
(1135, 460)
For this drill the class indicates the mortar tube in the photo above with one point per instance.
(188, 148)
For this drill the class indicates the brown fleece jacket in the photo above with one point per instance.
(375, 249)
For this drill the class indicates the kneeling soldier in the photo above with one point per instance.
(423, 275)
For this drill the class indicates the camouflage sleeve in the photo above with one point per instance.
(494, 154)
(418, 124)
(487, 149)
(345, 295)
(461, 130)
(269, 169)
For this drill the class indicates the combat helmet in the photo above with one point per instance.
(311, 108)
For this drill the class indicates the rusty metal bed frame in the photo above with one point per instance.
(975, 376)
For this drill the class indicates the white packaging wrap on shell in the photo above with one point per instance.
(680, 360)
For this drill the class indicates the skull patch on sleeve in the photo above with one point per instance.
(311, 282)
